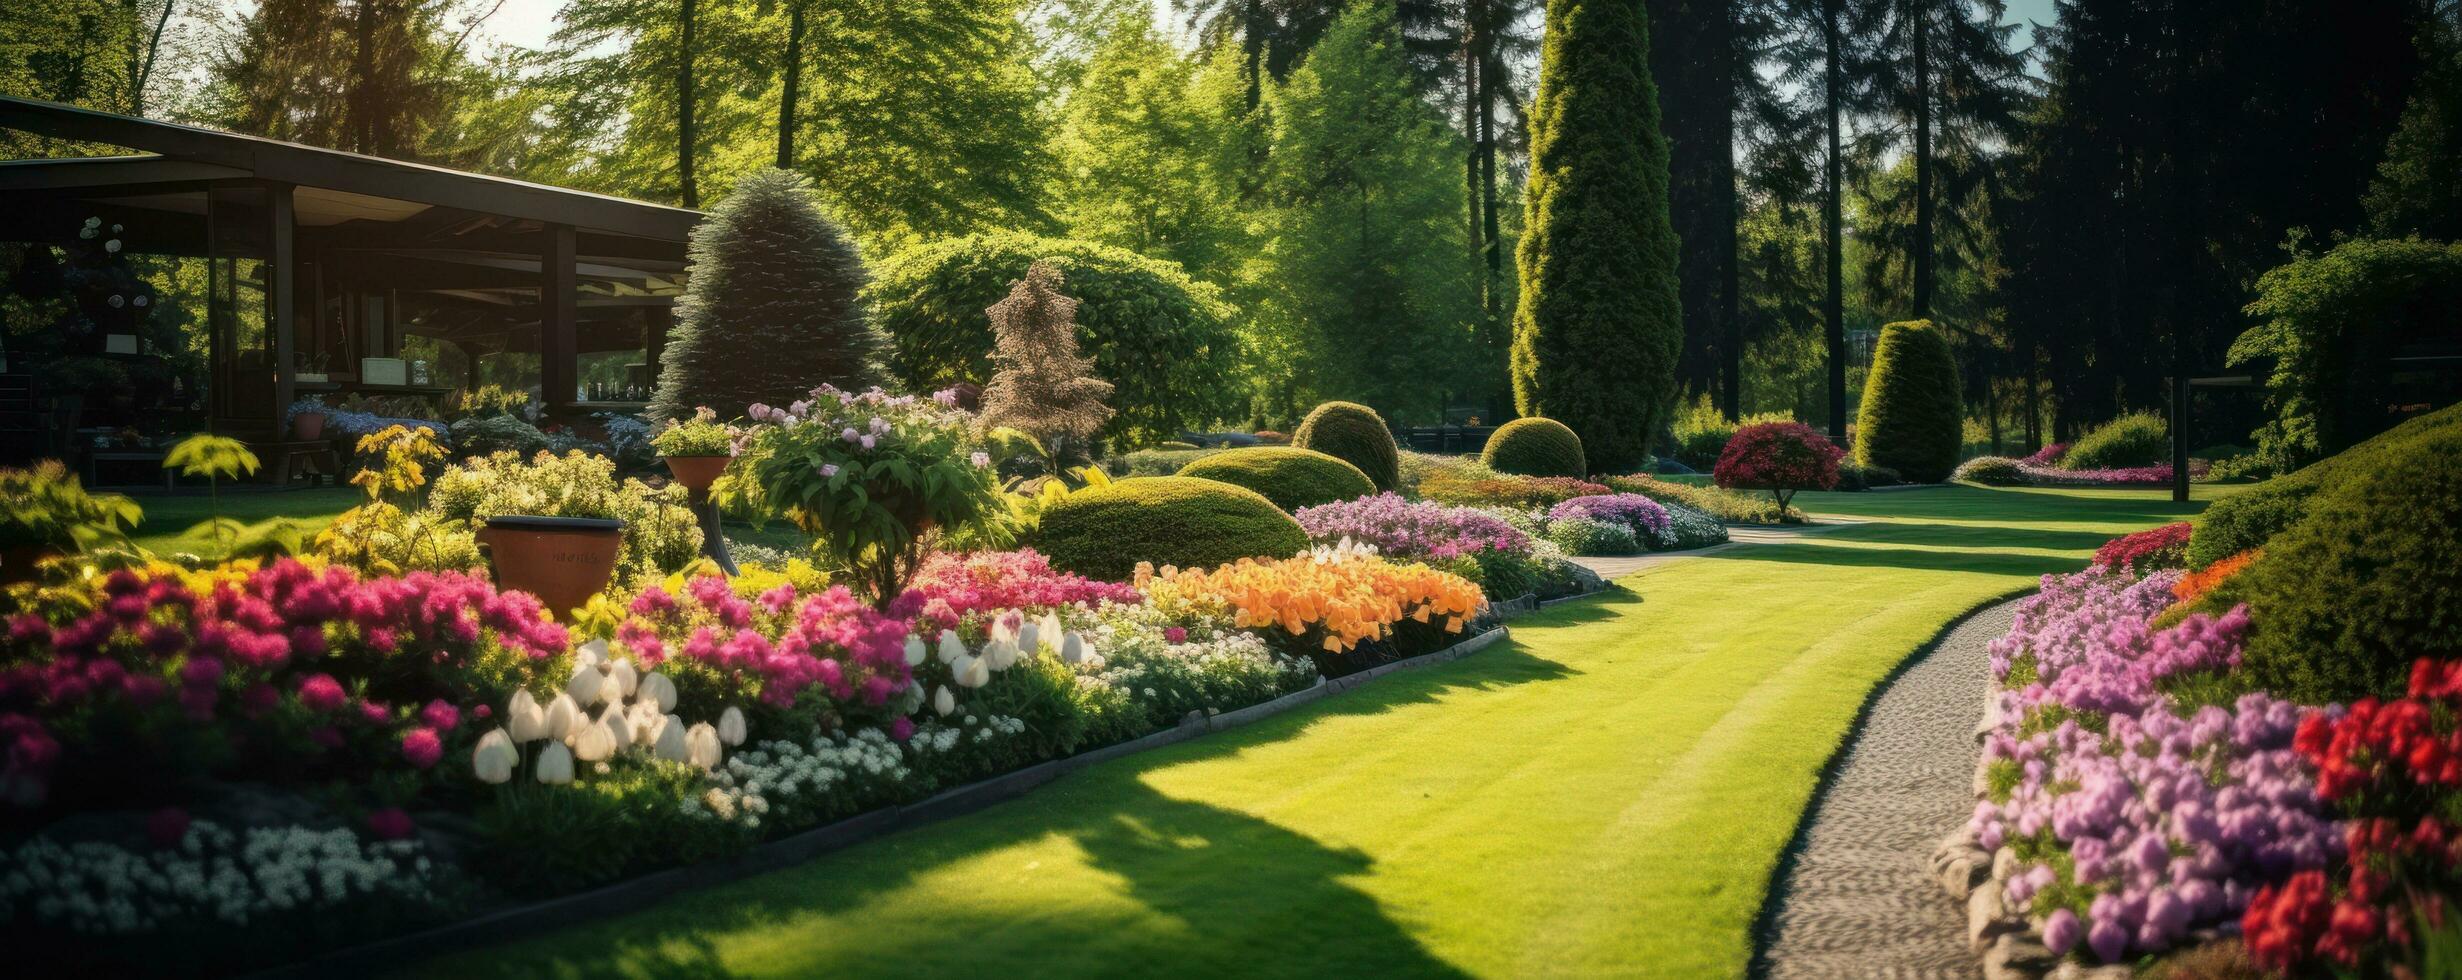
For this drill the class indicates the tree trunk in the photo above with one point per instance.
(1470, 133)
(1832, 220)
(363, 71)
(691, 192)
(1923, 160)
(141, 67)
(789, 85)
(1252, 43)
(1723, 69)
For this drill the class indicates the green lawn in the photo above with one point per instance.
(168, 518)
(1604, 795)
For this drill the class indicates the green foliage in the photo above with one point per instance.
(381, 536)
(211, 456)
(661, 534)
(1103, 532)
(700, 435)
(1136, 149)
(1731, 506)
(2332, 324)
(1291, 478)
(1535, 447)
(2248, 519)
(1911, 417)
(2415, 192)
(1701, 432)
(489, 434)
(1991, 471)
(773, 308)
(2368, 582)
(2135, 439)
(553, 839)
(1354, 434)
(46, 507)
(1167, 461)
(1598, 329)
(1163, 340)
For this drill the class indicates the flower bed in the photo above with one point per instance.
(2002, 471)
(1327, 602)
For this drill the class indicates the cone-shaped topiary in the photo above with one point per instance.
(1535, 447)
(1912, 420)
(2369, 581)
(1291, 478)
(1044, 388)
(1599, 326)
(1354, 434)
(774, 306)
(1103, 532)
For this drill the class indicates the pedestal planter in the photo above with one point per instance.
(696, 473)
(562, 560)
(308, 426)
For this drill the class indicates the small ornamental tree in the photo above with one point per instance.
(774, 306)
(1780, 457)
(1043, 387)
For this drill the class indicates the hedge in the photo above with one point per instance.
(2135, 439)
(1163, 340)
(1535, 447)
(1912, 420)
(1103, 532)
(1354, 434)
(1291, 478)
(2247, 519)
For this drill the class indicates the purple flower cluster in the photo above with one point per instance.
(2135, 822)
(2126, 476)
(1642, 514)
(1416, 529)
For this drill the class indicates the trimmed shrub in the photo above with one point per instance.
(1535, 447)
(2135, 439)
(2370, 581)
(1103, 532)
(1156, 462)
(1354, 434)
(1504, 490)
(773, 308)
(2247, 520)
(1162, 339)
(1780, 457)
(1991, 471)
(1291, 478)
(1587, 536)
(1912, 420)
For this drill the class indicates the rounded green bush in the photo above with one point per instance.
(2135, 439)
(1291, 478)
(1163, 340)
(1535, 447)
(1911, 420)
(2368, 582)
(1103, 532)
(2247, 519)
(1991, 471)
(1354, 434)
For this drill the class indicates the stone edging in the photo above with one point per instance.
(389, 954)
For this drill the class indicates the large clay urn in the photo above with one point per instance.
(562, 560)
(696, 473)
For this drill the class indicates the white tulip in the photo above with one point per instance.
(529, 724)
(944, 702)
(493, 760)
(1073, 650)
(669, 744)
(916, 651)
(645, 719)
(1029, 639)
(731, 726)
(657, 689)
(618, 726)
(623, 672)
(562, 716)
(972, 672)
(594, 742)
(1050, 629)
(951, 647)
(611, 690)
(584, 684)
(1001, 630)
(999, 654)
(592, 653)
(555, 764)
(701, 746)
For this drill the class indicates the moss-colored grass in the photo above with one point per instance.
(1605, 795)
(168, 518)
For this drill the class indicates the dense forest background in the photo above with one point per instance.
(2084, 200)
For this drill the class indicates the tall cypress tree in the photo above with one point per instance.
(773, 308)
(1599, 327)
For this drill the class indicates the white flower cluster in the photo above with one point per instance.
(634, 712)
(741, 790)
(99, 888)
(1013, 639)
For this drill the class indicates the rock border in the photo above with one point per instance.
(390, 954)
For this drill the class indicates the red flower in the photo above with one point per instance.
(390, 823)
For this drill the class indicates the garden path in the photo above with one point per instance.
(1607, 794)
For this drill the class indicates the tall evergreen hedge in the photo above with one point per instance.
(1599, 326)
(1912, 420)
(773, 308)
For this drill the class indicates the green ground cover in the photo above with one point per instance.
(1605, 794)
(168, 518)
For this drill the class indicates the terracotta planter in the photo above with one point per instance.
(17, 562)
(308, 426)
(562, 560)
(696, 473)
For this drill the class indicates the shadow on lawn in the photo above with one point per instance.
(1981, 504)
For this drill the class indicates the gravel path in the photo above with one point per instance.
(1857, 900)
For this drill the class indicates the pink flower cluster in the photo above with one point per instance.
(1643, 515)
(2044, 475)
(2047, 455)
(951, 587)
(778, 644)
(2169, 820)
(1400, 528)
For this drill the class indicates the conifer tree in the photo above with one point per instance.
(1043, 387)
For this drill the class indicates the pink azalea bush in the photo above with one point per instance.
(783, 649)
(1644, 516)
(1403, 528)
(2138, 819)
(277, 673)
(952, 587)
(1780, 457)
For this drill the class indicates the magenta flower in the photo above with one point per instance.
(441, 716)
(421, 748)
(320, 693)
(390, 823)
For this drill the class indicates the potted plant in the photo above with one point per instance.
(696, 449)
(45, 512)
(308, 417)
(562, 560)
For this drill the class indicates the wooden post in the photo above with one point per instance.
(559, 336)
(281, 313)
